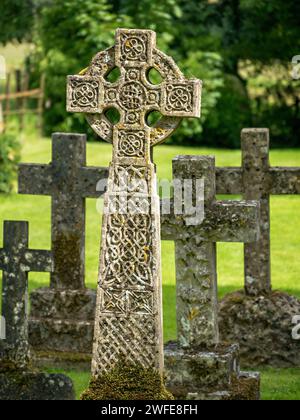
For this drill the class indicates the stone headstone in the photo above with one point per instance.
(62, 316)
(242, 314)
(128, 321)
(257, 180)
(199, 366)
(17, 380)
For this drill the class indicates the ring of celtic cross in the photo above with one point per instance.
(133, 95)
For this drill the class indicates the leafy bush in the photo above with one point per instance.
(69, 33)
(209, 67)
(231, 114)
(9, 159)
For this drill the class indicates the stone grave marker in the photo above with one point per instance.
(257, 180)
(62, 316)
(199, 366)
(128, 323)
(242, 314)
(17, 379)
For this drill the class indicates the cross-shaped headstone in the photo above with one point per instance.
(257, 180)
(16, 261)
(196, 274)
(69, 182)
(128, 313)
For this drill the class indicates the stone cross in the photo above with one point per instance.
(128, 313)
(257, 180)
(16, 261)
(196, 274)
(69, 182)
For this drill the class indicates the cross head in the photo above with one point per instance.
(135, 54)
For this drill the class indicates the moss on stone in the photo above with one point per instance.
(128, 382)
(243, 389)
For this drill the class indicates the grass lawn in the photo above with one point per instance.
(277, 384)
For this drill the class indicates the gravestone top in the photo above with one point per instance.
(256, 179)
(128, 313)
(135, 53)
(16, 261)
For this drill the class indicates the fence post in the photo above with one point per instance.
(41, 105)
(2, 126)
(7, 100)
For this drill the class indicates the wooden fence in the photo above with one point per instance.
(15, 99)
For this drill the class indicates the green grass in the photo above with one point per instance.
(285, 240)
(276, 384)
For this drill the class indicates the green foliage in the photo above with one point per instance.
(16, 20)
(231, 114)
(212, 40)
(9, 159)
(79, 28)
(153, 14)
(209, 67)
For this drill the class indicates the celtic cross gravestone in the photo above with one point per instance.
(128, 313)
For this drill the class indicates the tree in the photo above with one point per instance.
(78, 29)
(16, 20)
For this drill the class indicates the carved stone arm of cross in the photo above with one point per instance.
(220, 223)
(15, 255)
(255, 154)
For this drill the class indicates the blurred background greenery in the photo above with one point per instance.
(242, 49)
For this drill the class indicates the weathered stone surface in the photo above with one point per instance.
(196, 252)
(263, 326)
(213, 374)
(225, 221)
(63, 304)
(17, 380)
(244, 388)
(69, 336)
(69, 182)
(128, 312)
(268, 327)
(16, 261)
(196, 366)
(27, 385)
(257, 180)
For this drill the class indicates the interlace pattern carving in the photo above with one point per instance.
(128, 314)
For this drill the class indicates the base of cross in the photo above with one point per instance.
(263, 325)
(62, 320)
(26, 384)
(213, 374)
(128, 381)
